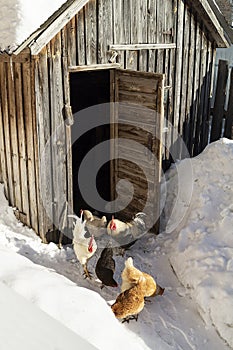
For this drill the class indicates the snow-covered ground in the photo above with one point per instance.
(192, 258)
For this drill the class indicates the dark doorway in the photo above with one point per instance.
(91, 88)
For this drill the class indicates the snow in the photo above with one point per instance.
(192, 258)
(24, 19)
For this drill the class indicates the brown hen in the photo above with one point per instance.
(131, 275)
(130, 303)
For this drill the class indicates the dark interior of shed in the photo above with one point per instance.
(89, 89)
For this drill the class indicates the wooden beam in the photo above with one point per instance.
(205, 12)
(94, 67)
(142, 46)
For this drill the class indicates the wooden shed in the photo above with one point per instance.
(140, 60)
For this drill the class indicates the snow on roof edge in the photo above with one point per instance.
(14, 47)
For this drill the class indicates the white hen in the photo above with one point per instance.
(84, 248)
(126, 232)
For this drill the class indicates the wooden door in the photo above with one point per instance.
(138, 116)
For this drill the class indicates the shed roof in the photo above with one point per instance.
(36, 25)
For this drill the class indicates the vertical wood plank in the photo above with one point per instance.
(4, 177)
(196, 79)
(3, 77)
(229, 115)
(131, 57)
(185, 74)
(81, 49)
(27, 108)
(209, 72)
(22, 144)
(151, 35)
(58, 133)
(199, 99)
(66, 88)
(159, 35)
(13, 134)
(34, 91)
(219, 103)
(91, 32)
(45, 184)
(105, 30)
(201, 120)
(142, 37)
(71, 42)
(134, 35)
(1, 176)
(118, 36)
(178, 76)
(169, 81)
(191, 63)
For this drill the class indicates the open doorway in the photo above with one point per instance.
(90, 88)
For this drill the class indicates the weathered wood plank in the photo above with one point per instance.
(144, 86)
(196, 85)
(22, 144)
(1, 176)
(190, 85)
(137, 115)
(72, 51)
(105, 30)
(135, 166)
(142, 35)
(13, 134)
(178, 64)
(6, 124)
(91, 32)
(219, 103)
(37, 227)
(206, 112)
(28, 112)
(184, 75)
(58, 134)
(66, 85)
(138, 46)
(81, 49)
(131, 57)
(4, 177)
(229, 115)
(131, 132)
(202, 99)
(45, 213)
(141, 98)
(151, 33)
(118, 36)
(94, 67)
(131, 15)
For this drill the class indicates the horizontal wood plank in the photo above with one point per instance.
(134, 47)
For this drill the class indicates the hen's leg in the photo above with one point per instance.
(86, 273)
(129, 318)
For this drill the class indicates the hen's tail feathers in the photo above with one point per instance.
(79, 227)
(140, 220)
(129, 262)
